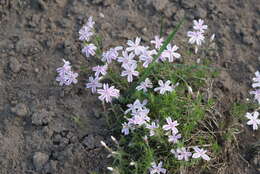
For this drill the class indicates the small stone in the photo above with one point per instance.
(159, 5)
(89, 141)
(39, 160)
(20, 109)
(41, 118)
(15, 65)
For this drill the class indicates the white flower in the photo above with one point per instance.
(135, 46)
(171, 125)
(130, 72)
(89, 50)
(253, 119)
(85, 33)
(144, 85)
(212, 37)
(90, 22)
(174, 138)
(136, 106)
(199, 25)
(152, 128)
(200, 153)
(107, 93)
(66, 75)
(127, 59)
(171, 53)
(164, 87)
(100, 70)
(111, 54)
(182, 154)
(157, 169)
(147, 57)
(93, 84)
(158, 42)
(196, 37)
(257, 95)
(256, 80)
(125, 129)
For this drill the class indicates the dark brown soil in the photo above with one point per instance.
(49, 129)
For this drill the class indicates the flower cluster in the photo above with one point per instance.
(197, 36)
(66, 75)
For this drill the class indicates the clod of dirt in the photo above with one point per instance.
(159, 5)
(15, 65)
(188, 3)
(28, 47)
(89, 141)
(41, 118)
(20, 109)
(39, 160)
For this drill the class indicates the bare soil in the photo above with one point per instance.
(48, 129)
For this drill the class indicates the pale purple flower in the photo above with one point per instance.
(196, 37)
(111, 54)
(157, 169)
(89, 50)
(144, 85)
(107, 93)
(140, 119)
(137, 105)
(135, 46)
(174, 138)
(125, 129)
(171, 125)
(256, 80)
(253, 119)
(66, 75)
(171, 53)
(164, 87)
(199, 25)
(130, 72)
(93, 84)
(158, 42)
(152, 128)
(85, 33)
(90, 22)
(257, 95)
(147, 57)
(182, 154)
(200, 153)
(127, 59)
(100, 70)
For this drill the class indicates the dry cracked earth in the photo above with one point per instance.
(48, 129)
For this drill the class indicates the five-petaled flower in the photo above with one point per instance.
(164, 87)
(199, 25)
(100, 70)
(158, 42)
(200, 153)
(253, 119)
(144, 85)
(171, 125)
(182, 153)
(174, 138)
(196, 37)
(107, 93)
(89, 50)
(135, 46)
(171, 53)
(157, 169)
(130, 71)
(93, 84)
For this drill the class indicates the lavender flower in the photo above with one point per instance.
(107, 93)
(171, 125)
(182, 154)
(196, 37)
(158, 42)
(89, 50)
(256, 80)
(147, 57)
(66, 75)
(200, 153)
(136, 106)
(93, 84)
(164, 87)
(125, 129)
(157, 169)
(130, 72)
(127, 59)
(135, 46)
(170, 53)
(257, 95)
(174, 138)
(253, 119)
(152, 128)
(144, 85)
(100, 70)
(199, 25)
(111, 54)
(86, 31)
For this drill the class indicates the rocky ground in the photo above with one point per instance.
(48, 129)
